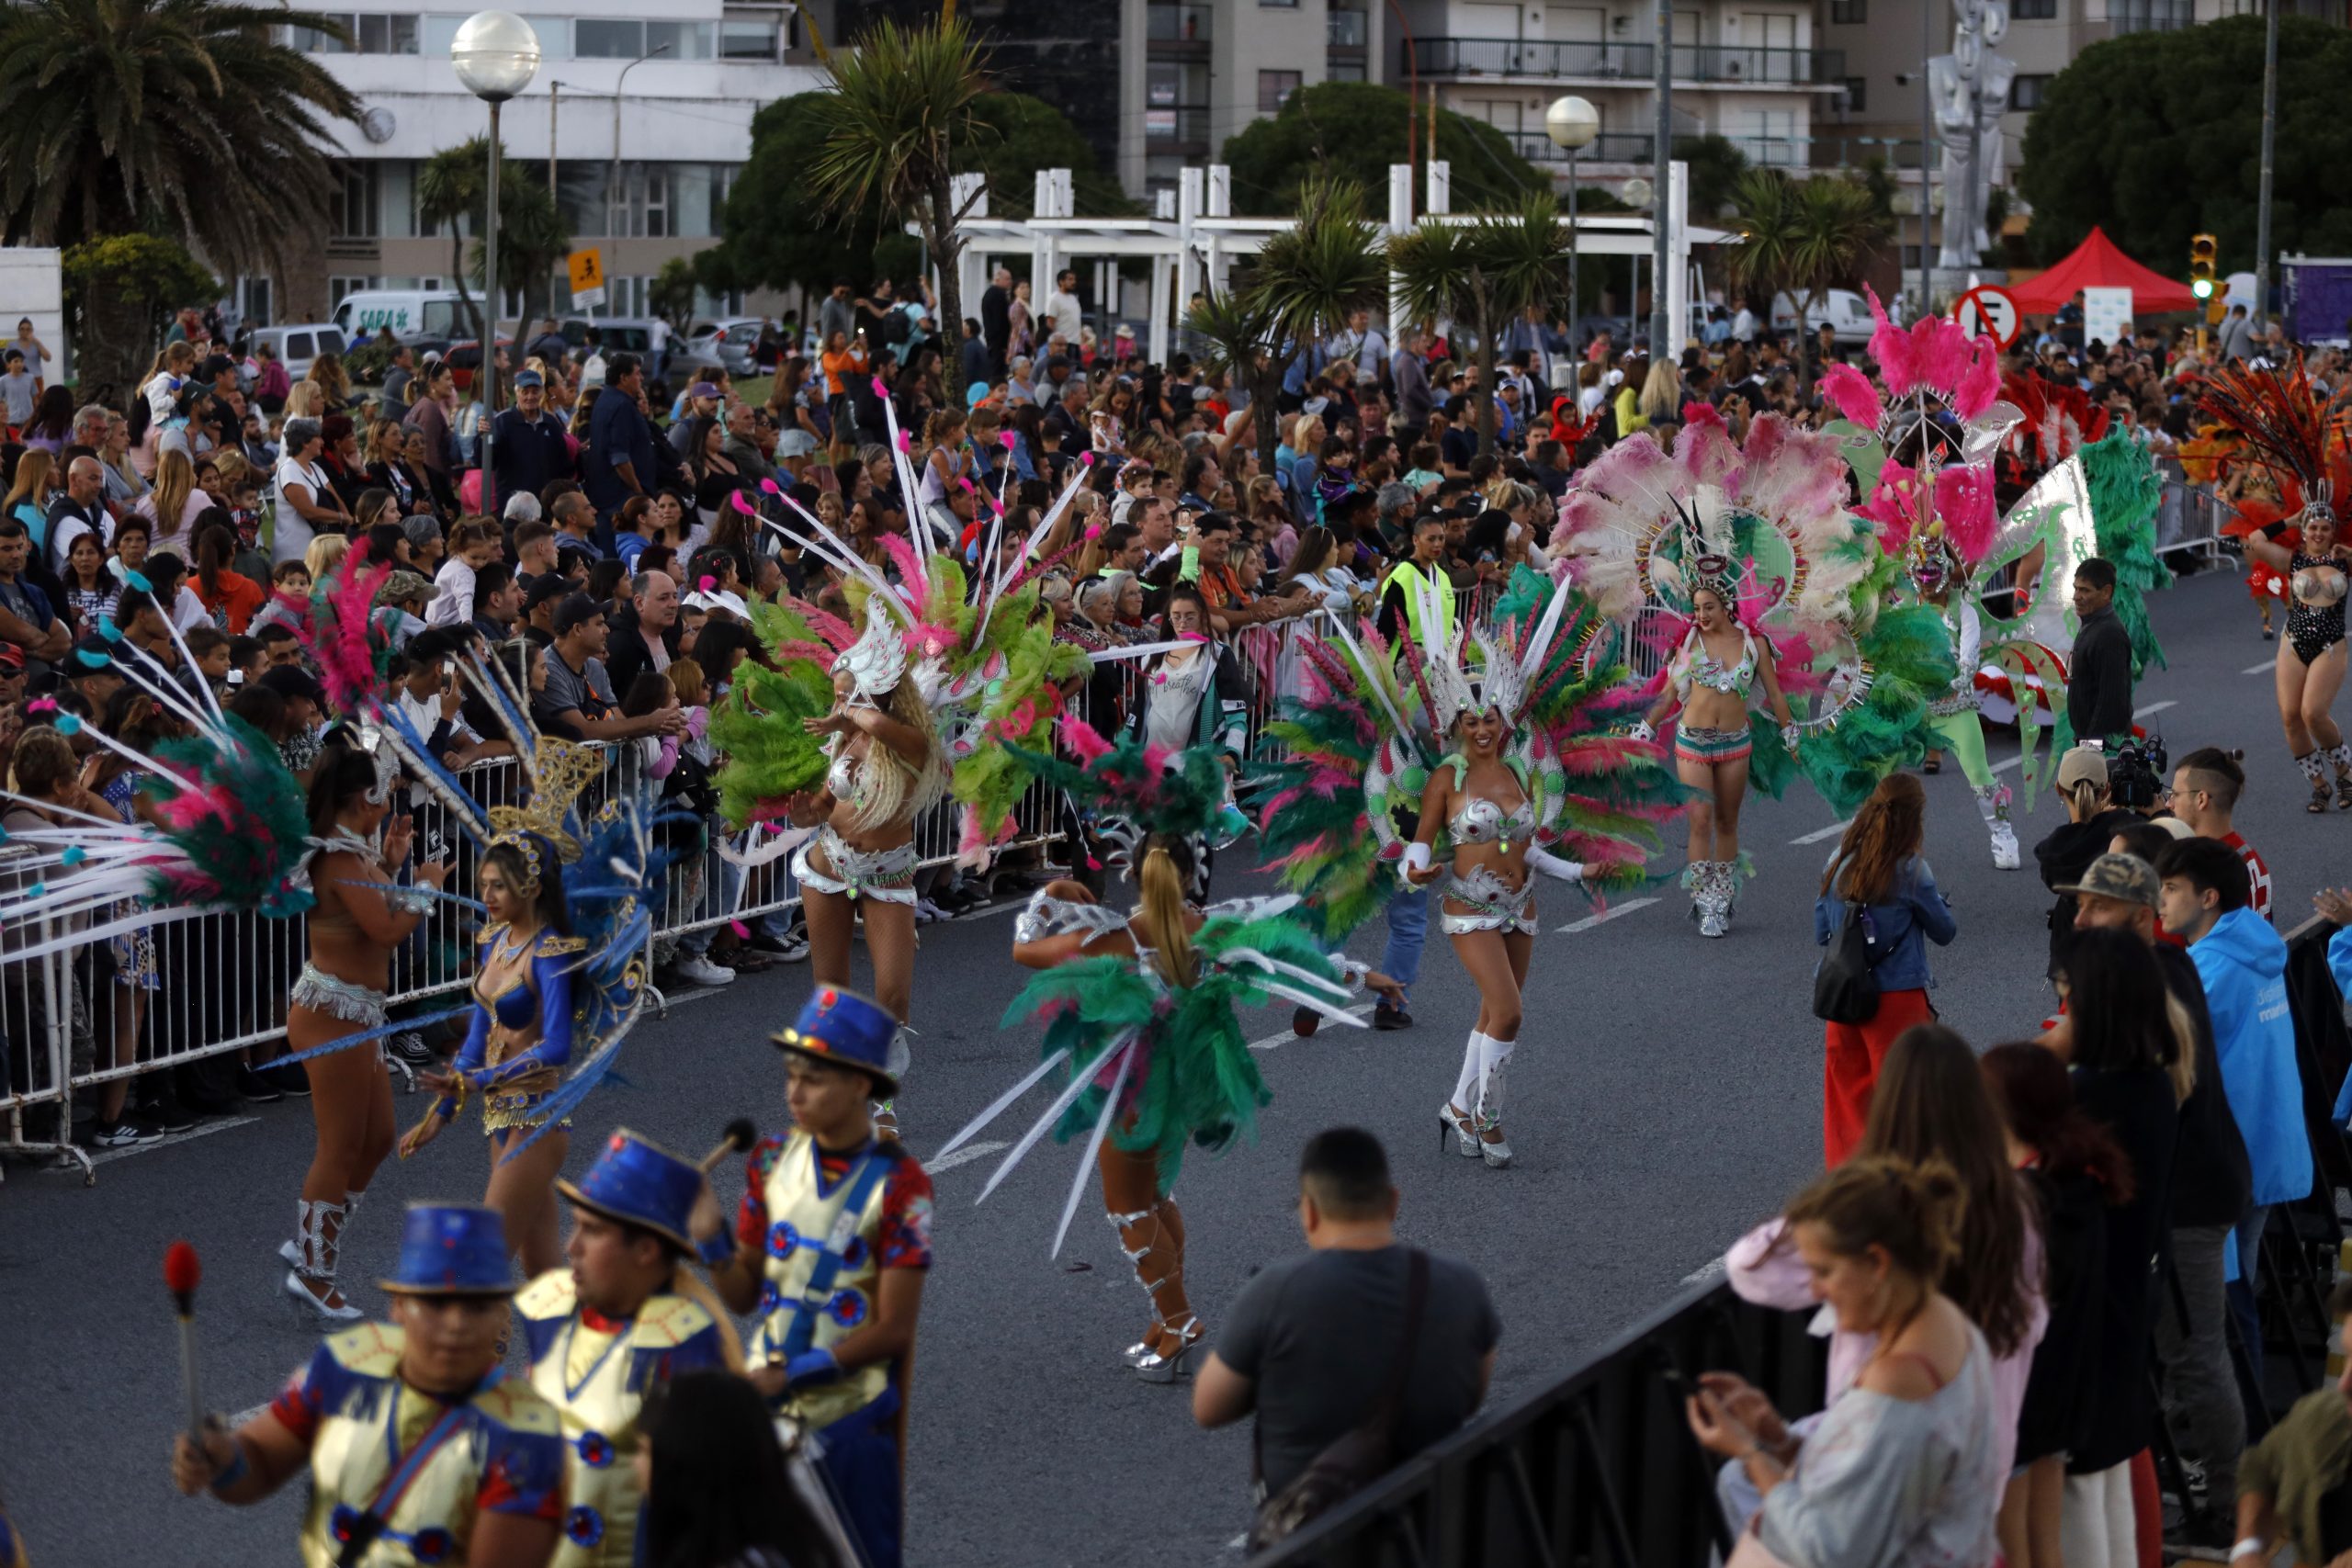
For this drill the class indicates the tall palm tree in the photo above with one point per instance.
(1802, 239)
(1308, 280)
(453, 190)
(1237, 337)
(187, 116)
(1479, 275)
(904, 107)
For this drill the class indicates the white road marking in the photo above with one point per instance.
(1276, 1041)
(1611, 913)
(2003, 767)
(1009, 906)
(1713, 1269)
(168, 1139)
(2153, 707)
(964, 1156)
(1820, 833)
(2265, 668)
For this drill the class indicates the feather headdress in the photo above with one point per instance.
(2286, 421)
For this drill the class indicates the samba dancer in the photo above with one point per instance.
(619, 1323)
(421, 1450)
(1149, 997)
(1710, 680)
(832, 1245)
(2288, 425)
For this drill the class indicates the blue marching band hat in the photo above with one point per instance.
(639, 1182)
(452, 1249)
(843, 1029)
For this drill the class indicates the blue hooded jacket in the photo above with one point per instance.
(2243, 960)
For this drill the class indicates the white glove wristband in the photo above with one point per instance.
(1791, 735)
(2252, 1546)
(1417, 857)
(1643, 731)
(1551, 865)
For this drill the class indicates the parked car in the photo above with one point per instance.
(297, 345)
(464, 360)
(1846, 311)
(426, 318)
(678, 363)
(734, 339)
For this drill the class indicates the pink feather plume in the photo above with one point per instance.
(1855, 399)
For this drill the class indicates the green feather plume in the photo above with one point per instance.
(1911, 662)
(2125, 491)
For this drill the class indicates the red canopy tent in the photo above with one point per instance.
(2097, 263)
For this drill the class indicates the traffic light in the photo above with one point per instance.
(2201, 265)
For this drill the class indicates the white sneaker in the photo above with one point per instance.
(703, 972)
(2004, 848)
(926, 912)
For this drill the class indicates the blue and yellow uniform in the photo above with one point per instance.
(595, 1373)
(426, 1466)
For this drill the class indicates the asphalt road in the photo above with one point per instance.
(1666, 1096)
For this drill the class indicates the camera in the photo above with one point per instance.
(2136, 774)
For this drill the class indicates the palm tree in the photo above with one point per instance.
(904, 107)
(453, 191)
(1308, 280)
(1802, 239)
(1480, 275)
(189, 117)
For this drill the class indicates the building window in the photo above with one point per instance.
(1858, 94)
(1344, 70)
(749, 36)
(611, 37)
(2151, 15)
(1275, 88)
(2025, 92)
(355, 202)
(2034, 10)
(1848, 12)
(339, 286)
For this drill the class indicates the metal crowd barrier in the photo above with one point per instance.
(1599, 1468)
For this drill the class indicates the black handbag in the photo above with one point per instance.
(1362, 1456)
(1845, 987)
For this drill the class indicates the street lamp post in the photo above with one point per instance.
(1572, 123)
(496, 54)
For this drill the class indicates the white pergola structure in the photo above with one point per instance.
(1194, 239)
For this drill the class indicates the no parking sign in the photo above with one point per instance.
(1988, 311)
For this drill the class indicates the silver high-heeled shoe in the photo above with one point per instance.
(1157, 1368)
(1135, 1354)
(1497, 1155)
(1465, 1134)
(300, 1294)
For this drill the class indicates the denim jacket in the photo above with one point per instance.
(1915, 911)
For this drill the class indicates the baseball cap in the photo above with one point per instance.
(293, 680)
(211, 368)
(2126, 878)
(12, 658)
(2082, 764)
(404, 585)
(575, 611)
(703, 389)
(91, 653)
(528, 379)
(546, 586)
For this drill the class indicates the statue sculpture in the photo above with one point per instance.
(1971, 89)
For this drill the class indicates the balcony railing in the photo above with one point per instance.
(1726, 63)
(1777, 152)
(1180, 23)
(1170, 128)
(1347, 29)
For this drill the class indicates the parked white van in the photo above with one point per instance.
(429, 315)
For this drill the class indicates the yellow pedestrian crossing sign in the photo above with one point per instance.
(587, 279)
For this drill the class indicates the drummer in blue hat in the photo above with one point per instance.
(624, 1319)
(833, 1239)
(421, 1450)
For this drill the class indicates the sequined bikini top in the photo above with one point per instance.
(1481, 821)
(2319, 582)
(1703, 668)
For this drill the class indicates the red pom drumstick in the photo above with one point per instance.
(182, 1271)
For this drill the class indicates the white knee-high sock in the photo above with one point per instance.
(1465, 1087)
(1492, 1054)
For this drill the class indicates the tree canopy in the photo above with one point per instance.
(2156, 136)
(778, 234)
(1353, 130)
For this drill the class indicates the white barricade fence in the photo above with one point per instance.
(223, 978)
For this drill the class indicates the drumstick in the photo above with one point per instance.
(181, 1271)
(740, 1134)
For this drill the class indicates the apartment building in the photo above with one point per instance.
(643, 123)
(1752, 71)
(1881, 45)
